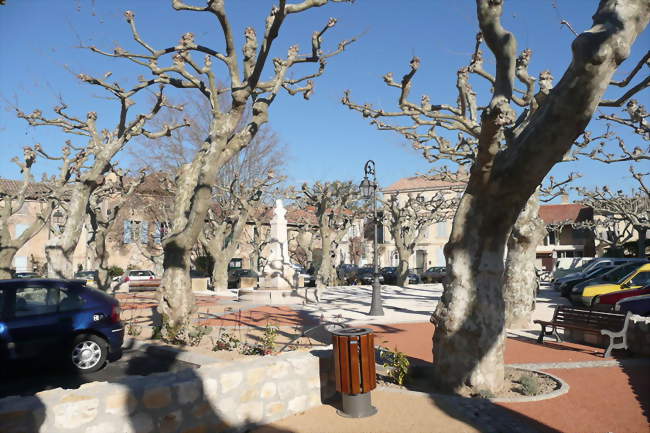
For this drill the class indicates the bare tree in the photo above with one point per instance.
(621, 209)
(510, 157)
(303, 237)
(46, 194)
(91, 162)
(104, 206)
(225, 138)
(234, 207)
(335, 206)
(410, 218)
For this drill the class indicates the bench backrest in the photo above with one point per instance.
(588, 318)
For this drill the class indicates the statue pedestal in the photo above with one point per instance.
(304, 295)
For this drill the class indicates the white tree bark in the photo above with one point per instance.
(520, 279)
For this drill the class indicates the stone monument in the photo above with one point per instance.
(278, 273)
(279, 280)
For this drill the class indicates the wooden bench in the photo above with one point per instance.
(611, 324)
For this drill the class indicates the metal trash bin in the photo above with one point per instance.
(354, 370)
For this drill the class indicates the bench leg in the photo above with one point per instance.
(557, 336)
(540, 339)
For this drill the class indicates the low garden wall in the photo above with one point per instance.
(220, 397)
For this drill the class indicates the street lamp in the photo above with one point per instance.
(59, 220)
(368, 188)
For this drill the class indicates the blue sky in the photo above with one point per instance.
(325, 140)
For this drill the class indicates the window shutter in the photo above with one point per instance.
(157, 233)
(144, 232)
(127, 232)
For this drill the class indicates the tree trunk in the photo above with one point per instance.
(403, 267)
(59, 250)
(520, 279)
(642, 232)
(469, 337)
(7, 254)
(176, 297)
(325, 276)
(220, 273)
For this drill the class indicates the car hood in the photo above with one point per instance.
(599, 289)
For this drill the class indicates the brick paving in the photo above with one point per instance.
(603, 397)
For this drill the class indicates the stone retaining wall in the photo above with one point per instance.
(228, 396)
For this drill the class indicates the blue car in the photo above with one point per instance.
(40, 317)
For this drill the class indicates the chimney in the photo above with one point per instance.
(565, 198)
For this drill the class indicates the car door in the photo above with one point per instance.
(33, 325)
(639, 280)
(5, 341)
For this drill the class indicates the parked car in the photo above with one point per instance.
(365, 276)
(235, 276)
(434, 275)
(607, 301)
(347, 273)
(636, 305)
(635, 280)
(138, 275)
(308, 278)
(390, 275)
(612, 276)
(567, 283)
(597, 263)
(90, 277)
(64, 318)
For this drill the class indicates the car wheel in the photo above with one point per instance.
(88, 353)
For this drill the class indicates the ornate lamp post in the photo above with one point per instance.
(368, 189)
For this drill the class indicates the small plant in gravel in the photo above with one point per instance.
(529, 384)
(226, 341)
(397, 363)
(252, 349)
(156, 333)
(484, 393)
(268, 338)
(183, 334)
(133, 330)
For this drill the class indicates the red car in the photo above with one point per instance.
(608, 300)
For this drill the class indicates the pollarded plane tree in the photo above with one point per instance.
(336, 206)
(233, 209)
(304, 237)
(510, 155)
(93, 159)
(104, 206)
(409, 217)
(620, 209)
(45, 196)
(225, 138)
(622, 215)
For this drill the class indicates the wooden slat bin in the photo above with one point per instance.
(354, 360)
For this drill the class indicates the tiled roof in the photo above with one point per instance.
(422, 183)
(574, 212)
(13, 187)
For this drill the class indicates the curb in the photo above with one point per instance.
(169, 352)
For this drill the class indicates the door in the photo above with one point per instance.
(420, 261)
(33, 324)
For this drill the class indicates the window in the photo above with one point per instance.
(157, 232)
(640, 279)
(34, 301)
(128, 235)
(441, 229)
(69, 301)
(20, 229)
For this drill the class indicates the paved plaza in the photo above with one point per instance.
(605, 394)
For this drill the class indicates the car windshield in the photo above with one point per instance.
(390, 269)
(140, 273)
(623, 271)
(598, 271)
(85, 274)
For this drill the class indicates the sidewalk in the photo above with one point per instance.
(606, 395)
